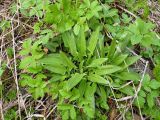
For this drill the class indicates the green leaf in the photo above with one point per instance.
(150, 100)
(67, 61)
(147, 40)
(52, 14)
(26, 47)
(27, 43)
(126, 19)
(1, 72)
(112, 49)
(97, 62)
(154, 84)
(87, 2)
(89, 96)
(10, 52)
(24, 64)
(143, 26)
(76, 29)
(64, 107)
(103, 97)
(130, 60)
(94, 8)
(108, 69)
(65, 115)
(65, 38)
(128, 76)
(135, 39)
(128, 90)
(111, 13)
(146, 80)
(65, 94)
(39, 92)
(51, 59)
(4, 24)
(59, 69)
(89, 111)
(147, 88)
(72, 46)
(82, 87)
(75, 95)
(109, 1)
(81, 43)
(97, 79)
(103, 93)
(90, 91)
(66, 5)
(120, 59)
(57, 77)
(155, 40)
(142, 93)
(93, 41)
(74, 80)
(141, 102)
(36, 27)
(73, 113)
(69, 41)
(156, 72)
(25, 79)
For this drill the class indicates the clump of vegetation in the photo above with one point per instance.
(83, 58)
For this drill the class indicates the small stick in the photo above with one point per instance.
(117, 88)
(10, 105)
(1, 110)
(125, 10)
(51, 111)
(143, 60)
(137, 91)
(124, 98)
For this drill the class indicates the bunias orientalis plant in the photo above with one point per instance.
(79, 76)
